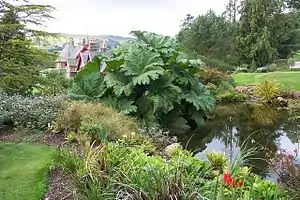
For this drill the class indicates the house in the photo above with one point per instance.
(74, 58)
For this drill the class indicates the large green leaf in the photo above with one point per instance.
(155, 41)
(119, 82)
(125, 106)
(199, 97)
(142, 65)
(164, 94)
(175, 122)
(88, 83)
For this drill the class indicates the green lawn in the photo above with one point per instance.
(23, 171)
(292, 79)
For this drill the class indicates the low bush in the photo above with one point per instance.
(230, 97)
(116, 171)
(52, 82)
(219, 64)
(287, 167)
(97, 120)
(269, 90)
(226, 93)
(30, 112)
(214, 76)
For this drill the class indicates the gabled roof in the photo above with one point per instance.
(72, 62)
(68, 52)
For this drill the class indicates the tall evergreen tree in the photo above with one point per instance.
(257, 44)
(18, 58)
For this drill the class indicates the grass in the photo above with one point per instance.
(23, 170)
(291, 79)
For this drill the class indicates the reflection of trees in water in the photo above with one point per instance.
(253, 122)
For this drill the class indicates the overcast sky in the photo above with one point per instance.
(119, 17)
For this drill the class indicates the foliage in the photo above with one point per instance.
(148, 78)
(214, 76)
(20, 62)
(230, 97)
(286, 166)
(216, 63)
(266, 32)
(211, 36)
(52, 82)
(114, 170)
(217, 161)
(268, 91)
(100, 122)
(30, 112)
(222, 86)
(253, 33)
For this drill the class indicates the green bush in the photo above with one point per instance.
(219, 64)
(214, 76)
(116, 171)
(269, 90)
(230, 97)
(52, 82)
(151, 79)
(30, 112)
(97, 120)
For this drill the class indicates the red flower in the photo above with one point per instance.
(232, 183)
(227, 178)
(240, 183)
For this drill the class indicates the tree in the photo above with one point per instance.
(231, 11)
(267, 31)
(293, 4)
(19, 59)
(257, 40)
(209, 35)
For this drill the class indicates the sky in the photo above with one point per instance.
(119, 17)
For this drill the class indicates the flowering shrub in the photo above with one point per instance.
(214, 76)
(287, 167)
(29, 112)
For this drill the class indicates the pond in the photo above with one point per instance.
(268, 129)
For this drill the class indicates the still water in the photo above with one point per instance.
(265, 128)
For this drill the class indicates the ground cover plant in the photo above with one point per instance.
(118, 170)
(29, 112)
(151, 79)
(291, 79)
(23, 170)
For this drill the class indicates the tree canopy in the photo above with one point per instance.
(249, 32)
(20, 61)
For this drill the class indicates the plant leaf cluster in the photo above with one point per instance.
(151, 79)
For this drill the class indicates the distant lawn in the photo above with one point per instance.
(292, 79)
(23, 170)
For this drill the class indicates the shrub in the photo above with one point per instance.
(116, 171)
(230, 97)
(52, 82)
(99, 121)
(286, 166)
(214, 76)
(268, 91)
(219, 64)
(151, 79)
(30, 112)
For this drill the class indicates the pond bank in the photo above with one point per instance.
(269, 129)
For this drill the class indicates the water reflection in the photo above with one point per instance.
(265, 128)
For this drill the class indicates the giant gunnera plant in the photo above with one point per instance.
(151, 79)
